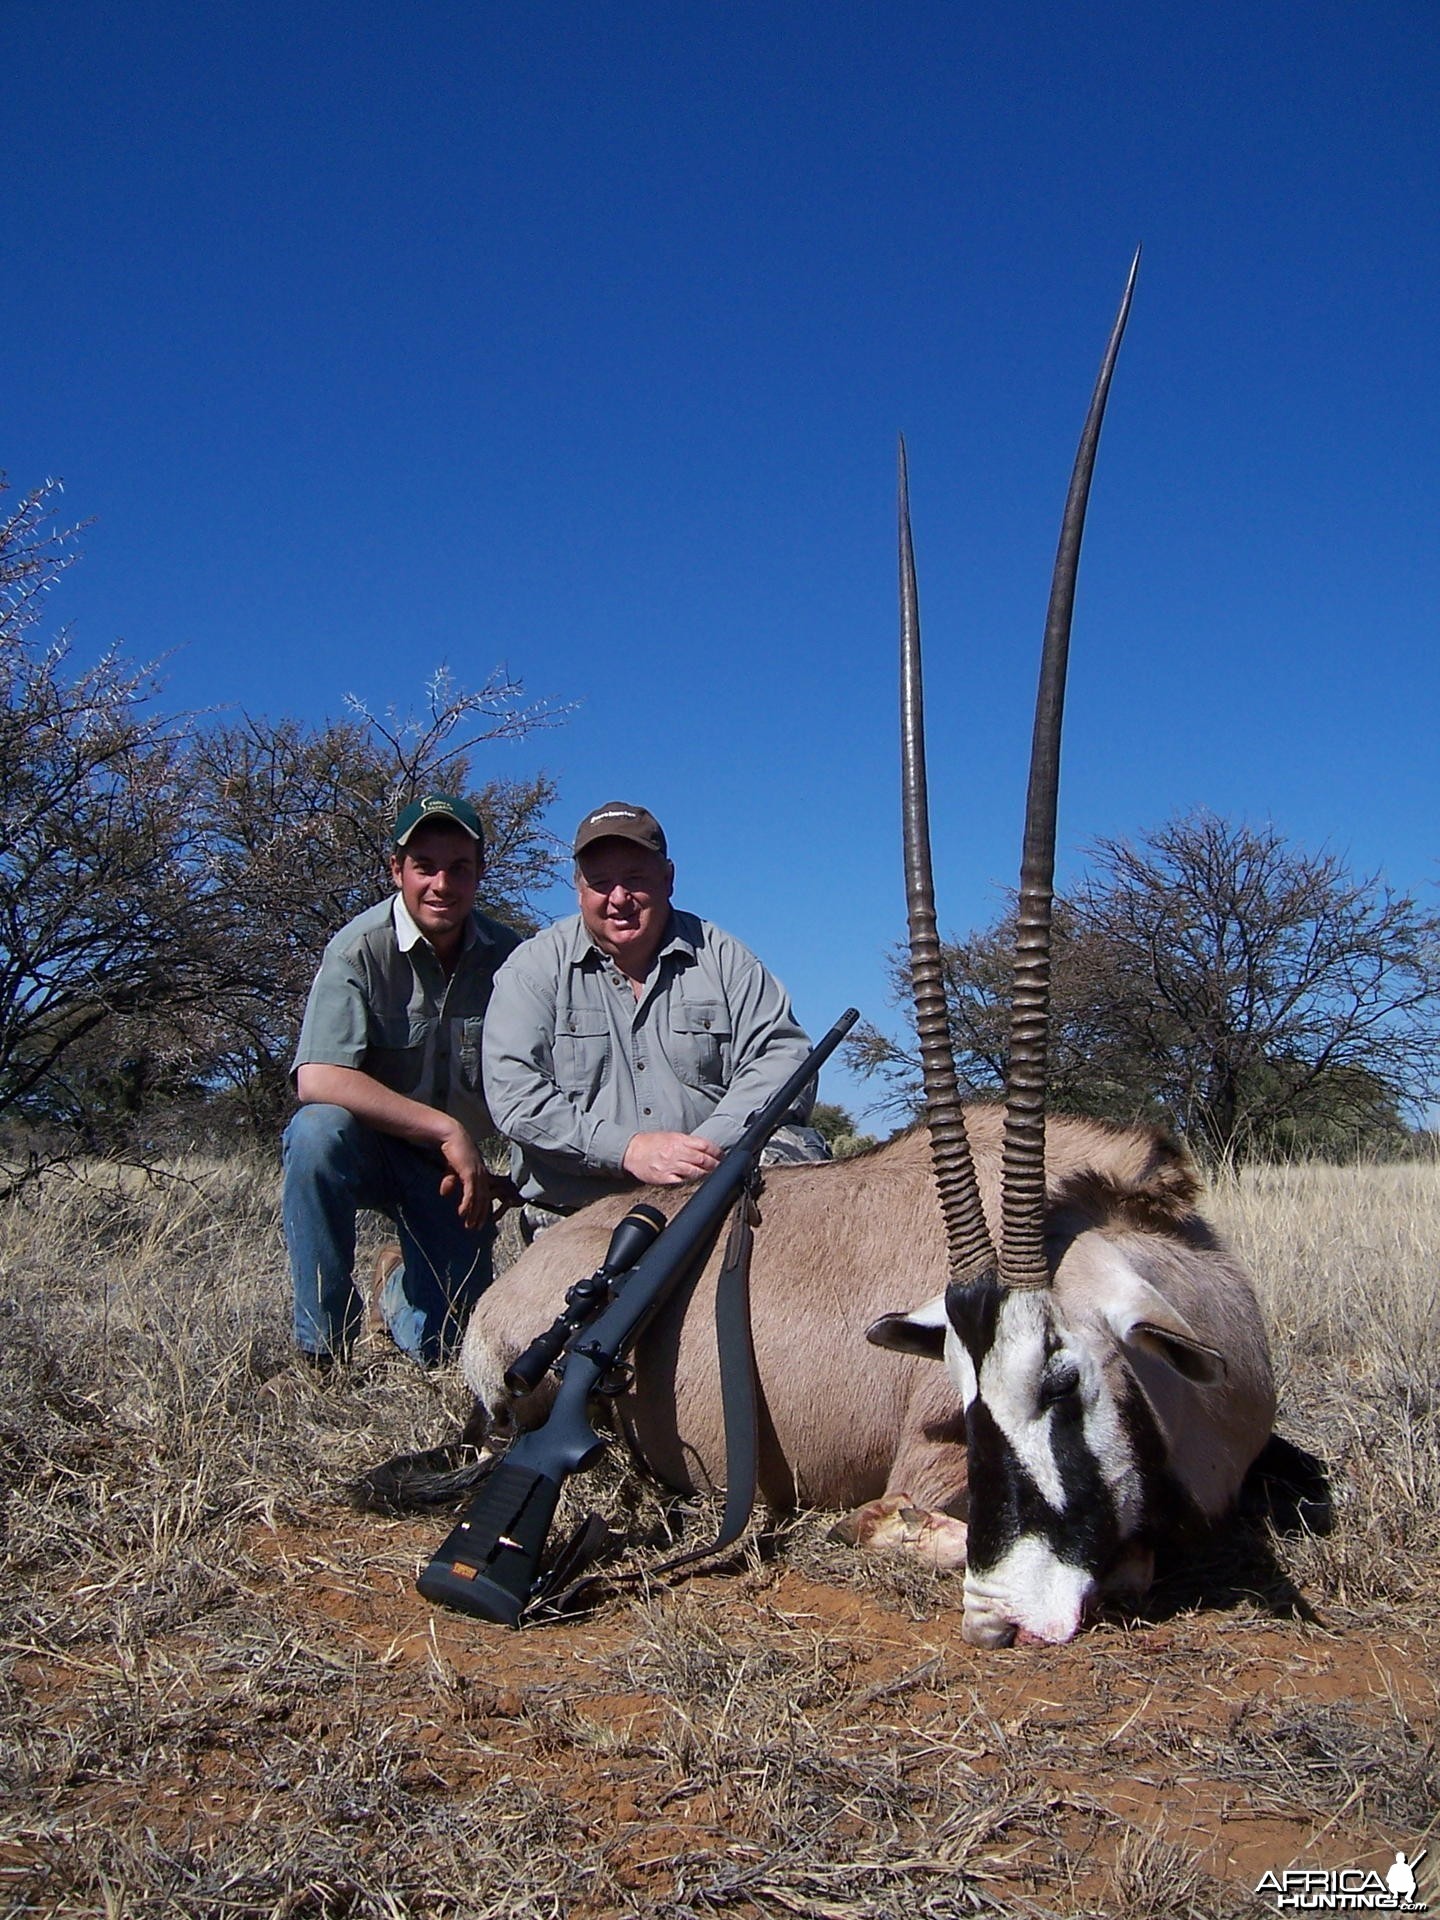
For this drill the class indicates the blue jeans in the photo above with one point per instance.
(334, 1165)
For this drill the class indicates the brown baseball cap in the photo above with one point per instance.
(618, 820)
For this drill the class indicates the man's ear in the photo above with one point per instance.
(395, 863)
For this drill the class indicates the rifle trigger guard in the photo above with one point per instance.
(618, 1373)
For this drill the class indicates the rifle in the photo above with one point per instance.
(489, 1565)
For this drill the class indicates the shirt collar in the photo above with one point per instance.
(408, 935)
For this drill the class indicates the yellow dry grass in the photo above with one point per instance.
(222, 1697)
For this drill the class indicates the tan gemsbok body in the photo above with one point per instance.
(1106, 1378)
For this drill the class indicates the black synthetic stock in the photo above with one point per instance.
(489, 1565)
(504, 1529)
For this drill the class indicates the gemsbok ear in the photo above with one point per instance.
(1151, 1325)
(1204, 1365)
(921, 1331)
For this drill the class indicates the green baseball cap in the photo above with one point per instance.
(443, 808)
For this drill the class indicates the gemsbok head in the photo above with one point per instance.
(1114, 1376)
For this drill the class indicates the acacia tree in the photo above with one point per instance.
(1260, 984)
(98, 901)
(166, 891)
(1089, 1072)
(1257, 997)
(294, 827)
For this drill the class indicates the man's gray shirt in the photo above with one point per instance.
(575, 1065)
(381, 1003)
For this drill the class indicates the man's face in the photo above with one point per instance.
(437, 872)
(624, 900)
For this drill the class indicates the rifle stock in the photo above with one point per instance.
(489, 1564)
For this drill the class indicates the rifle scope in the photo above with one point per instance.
(635, 1235)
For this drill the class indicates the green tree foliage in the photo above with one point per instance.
(1090, 1070)
(1270, 992)
(838, 1128)
(1257, 997)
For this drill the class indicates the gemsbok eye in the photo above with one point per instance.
(1060, 1379)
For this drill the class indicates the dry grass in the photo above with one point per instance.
(222, 1696)
(1347, 1261)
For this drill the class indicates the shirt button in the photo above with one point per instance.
(639, 1066)
(646, 1112)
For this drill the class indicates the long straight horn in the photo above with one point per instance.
(967, 1236)
(1023, 1262)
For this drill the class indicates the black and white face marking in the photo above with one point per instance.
(1056, 1489)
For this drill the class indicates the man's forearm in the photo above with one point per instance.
(550, 1124)
(377, 1105)
(478, 1195)
(529, 1108)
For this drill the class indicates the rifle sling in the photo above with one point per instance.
(736, 1348)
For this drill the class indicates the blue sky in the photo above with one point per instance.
(577, 338)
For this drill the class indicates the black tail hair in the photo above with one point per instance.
(438, 1477)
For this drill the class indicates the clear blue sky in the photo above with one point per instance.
(577, 337)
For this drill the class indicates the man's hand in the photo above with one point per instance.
(480, 1196)
(669, 1159)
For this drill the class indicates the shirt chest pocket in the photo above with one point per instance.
(699, 1043)
(582, 1051)
(396, 1056)
(465, 1036)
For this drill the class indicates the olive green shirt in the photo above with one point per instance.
(381, 1003)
